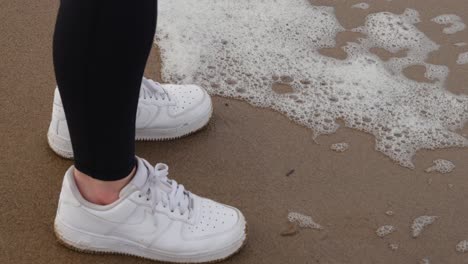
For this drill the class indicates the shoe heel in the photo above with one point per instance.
(79, 241)
(60, 146)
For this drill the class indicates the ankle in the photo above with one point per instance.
(100, 192)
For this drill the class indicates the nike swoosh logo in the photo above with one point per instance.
(145, 116)
(144, 232)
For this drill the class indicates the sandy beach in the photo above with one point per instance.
(253, 158)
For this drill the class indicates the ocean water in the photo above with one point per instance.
(243, 48)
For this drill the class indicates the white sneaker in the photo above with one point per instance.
(155, 218)
(164, 112)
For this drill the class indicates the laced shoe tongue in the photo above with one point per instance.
(163, 183)
(150, 87)
(182, 196)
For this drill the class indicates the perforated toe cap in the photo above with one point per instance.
(214, 219)
(187, 98)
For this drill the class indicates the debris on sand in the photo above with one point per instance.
(291, 172)
(291, 229)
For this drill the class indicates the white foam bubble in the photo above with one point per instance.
(303, 221)
(462, 58)
(394, 246)
(390, 213)
(462, 246)
(455, 23)
(441, 166)
(242, 48)
(340, 147)
(361, 5)
(420, 223)
(460, 44)
(385, 230)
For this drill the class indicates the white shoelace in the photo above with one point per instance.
(175, 197)
(151, 89)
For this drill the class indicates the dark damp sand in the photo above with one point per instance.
(241, 158)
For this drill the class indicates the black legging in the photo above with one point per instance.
(100, 51)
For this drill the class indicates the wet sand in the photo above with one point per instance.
(255, 159)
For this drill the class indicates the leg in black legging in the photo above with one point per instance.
(100, 52)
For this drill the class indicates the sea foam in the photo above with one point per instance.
(243, 48)
(303, 221)
(454, 23)
(385, 230)
(441, 166)
(361, 6)
(462, 58)
(340, 147)
(420, 223)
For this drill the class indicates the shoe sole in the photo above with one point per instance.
(55, 142)
(63, 242)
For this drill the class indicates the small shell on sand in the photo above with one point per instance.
(339, 147)
(390, 213)
(462, 246)
(420, 223)
(303, 221)
(385, 230)
(441, 166)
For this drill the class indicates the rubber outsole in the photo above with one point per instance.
(69, 155)
(61, 241)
